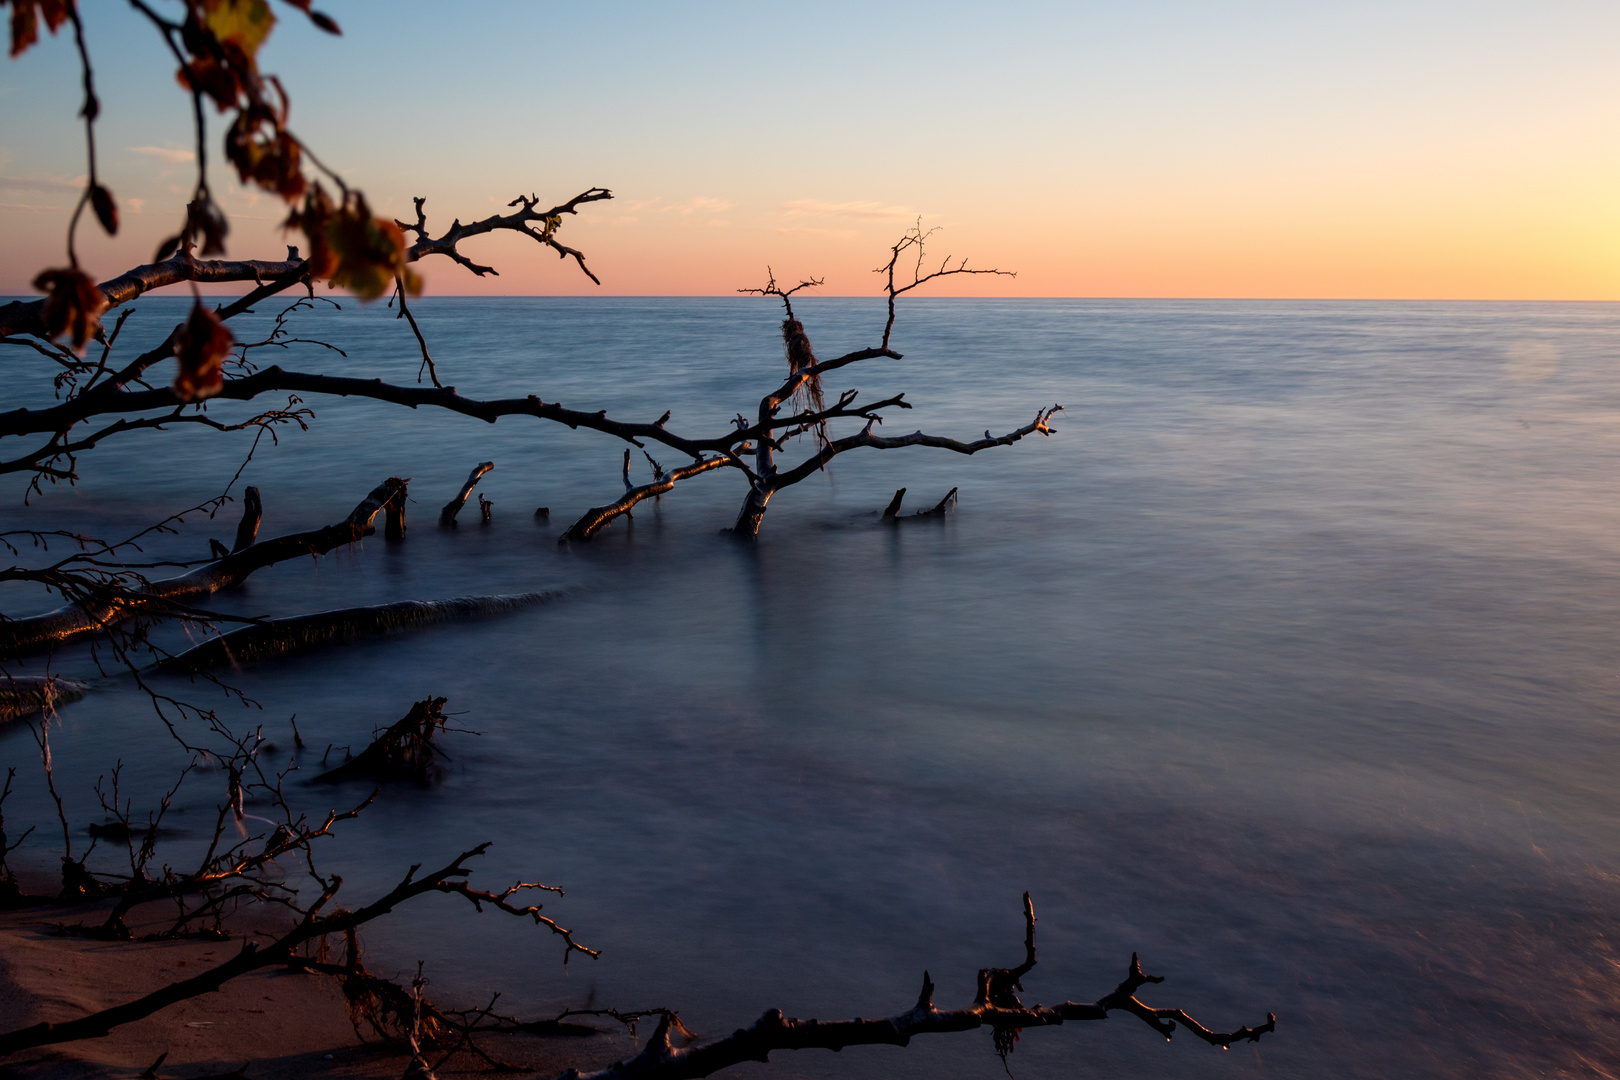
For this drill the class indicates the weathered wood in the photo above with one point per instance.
(313, 926)
(171, 595)
(597, 518)
(27, 317)
(24, 695)
(447, 516)
(247, 531)
(282, 637)
(996, 1006)
(394, 521)
(404, 750)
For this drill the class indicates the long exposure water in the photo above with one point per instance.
(1291, 662)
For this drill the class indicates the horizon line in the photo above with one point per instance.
(161, 294)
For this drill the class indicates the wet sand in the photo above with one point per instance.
(286, 1024)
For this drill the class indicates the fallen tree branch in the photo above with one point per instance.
(891, 513)
(768, 483)
(447, 516)
(599, 517)
(996, 1005)
(23, 695)
(450, 880)
(247, 531)
(107, 607)
(281, 637)
(402, 750)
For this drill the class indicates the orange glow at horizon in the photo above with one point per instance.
(1181, 150)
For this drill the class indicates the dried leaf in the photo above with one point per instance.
(73, 305)
(222, 37)
(25, 16)
(265, 154)
(324, 21)
(350, 247)
(201, 345)
(204, 218)
(101, 201)
(167, 249)
(312, 219)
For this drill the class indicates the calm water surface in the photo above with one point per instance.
(1291, 662)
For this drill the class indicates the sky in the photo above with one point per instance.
(1165, 148)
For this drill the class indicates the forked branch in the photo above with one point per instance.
(113, 603)
(909, 249)
(996, 1005)
(450, 880)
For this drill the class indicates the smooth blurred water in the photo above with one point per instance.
(1290, 662)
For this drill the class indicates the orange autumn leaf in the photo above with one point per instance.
(201, 345)
(73, 305)
(351, 248)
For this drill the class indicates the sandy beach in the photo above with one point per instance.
(284, 1023)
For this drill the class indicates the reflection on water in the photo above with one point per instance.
(1290, 663)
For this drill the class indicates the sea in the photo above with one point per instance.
(1289, 662)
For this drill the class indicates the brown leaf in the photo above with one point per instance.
(264, 153)
(73, 305)
(205, 218)
(25, 16)
(312, 219)
(350, 247)
(324, 21)
(201, 344)
(101, 201)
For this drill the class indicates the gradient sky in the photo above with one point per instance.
(1421, 149)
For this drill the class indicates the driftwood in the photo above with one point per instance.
(311, 927)
(247, 531)
(171, 594)
(23, 695)
(597, 518)
(891, 513)
(404, 750)
(447, 516)
(995, 1006)
(766, 484)
(281, 637)
(394, 514)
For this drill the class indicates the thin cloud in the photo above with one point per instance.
(164, 153)
(698, 204)
(703, 204)
(861, 211)
(28, 207)
(809, 230)
(40, 183)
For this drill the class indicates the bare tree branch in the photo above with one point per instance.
(450, 880)
(996, 1005)
(447, 515)
(523, 221)
(90, 612)
(599, 517)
